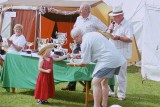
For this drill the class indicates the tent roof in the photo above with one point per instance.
(59, 3)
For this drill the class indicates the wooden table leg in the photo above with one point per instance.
(13, 90)
(87, 95)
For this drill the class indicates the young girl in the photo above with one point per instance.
(45, 85)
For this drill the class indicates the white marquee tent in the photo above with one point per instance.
(61, 3)
(151, 41)
(35, 4)
(144, 15)
(64, 5)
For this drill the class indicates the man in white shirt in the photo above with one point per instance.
(122, 38)
(98, 49)
(88, 23)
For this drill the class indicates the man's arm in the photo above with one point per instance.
(18, 48)
(73, 63)
(77, 64)
(124, 39)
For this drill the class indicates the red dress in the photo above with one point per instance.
(45, 85)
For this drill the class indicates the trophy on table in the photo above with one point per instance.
(55, 42)
(75, 58)
(62, 39)
(29, 44)
(72, 47)
(59, 41)
(42, 41)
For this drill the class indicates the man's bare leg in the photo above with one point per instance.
(104, 85)
(97, 91)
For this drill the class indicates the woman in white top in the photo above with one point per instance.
(16, 42)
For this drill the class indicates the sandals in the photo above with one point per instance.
(45, 101)
(42, 102)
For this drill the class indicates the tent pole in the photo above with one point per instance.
(1, 22)
(37, 32)
(40, 25)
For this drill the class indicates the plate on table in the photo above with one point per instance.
(24, 53)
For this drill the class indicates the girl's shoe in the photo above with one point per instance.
(40, 102)
(45, 102)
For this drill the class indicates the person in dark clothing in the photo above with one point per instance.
(72, 85)
(2, 52)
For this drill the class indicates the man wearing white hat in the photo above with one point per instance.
(122, 37)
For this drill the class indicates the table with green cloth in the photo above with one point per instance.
(22, 71)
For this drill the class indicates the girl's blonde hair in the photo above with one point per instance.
(47, 50)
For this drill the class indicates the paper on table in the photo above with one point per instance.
(35, 55)
(30, 55)
(106, 34)
(24, 54)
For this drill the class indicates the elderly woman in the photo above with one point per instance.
(16, 42)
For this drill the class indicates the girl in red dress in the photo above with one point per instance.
(45, 82)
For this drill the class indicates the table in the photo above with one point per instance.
(22, 71)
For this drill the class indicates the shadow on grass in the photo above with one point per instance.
(67, 96)
(73, 96)
(27, 92)
(77, 99)
(62, 104)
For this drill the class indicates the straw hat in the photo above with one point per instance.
(116, 11)
(44, 48)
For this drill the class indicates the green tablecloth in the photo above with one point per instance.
(22, 71)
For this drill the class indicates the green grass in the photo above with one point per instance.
(138, 95)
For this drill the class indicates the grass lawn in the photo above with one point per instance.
(138, 95)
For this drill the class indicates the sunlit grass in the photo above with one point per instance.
(138, 95)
